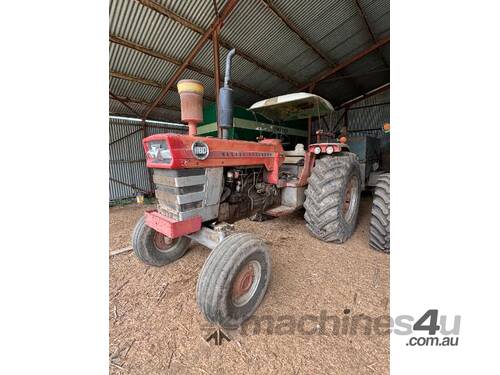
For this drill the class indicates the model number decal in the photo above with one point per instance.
(200, 150)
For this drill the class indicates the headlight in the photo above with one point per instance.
(166, 155)
(329, 150)
(159, 152)
(317, 150)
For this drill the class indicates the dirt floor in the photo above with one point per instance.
(156, 327)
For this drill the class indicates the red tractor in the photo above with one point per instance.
(205, 184)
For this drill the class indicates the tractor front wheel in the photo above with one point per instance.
(332, 197)
(155, 249)
(233, 280)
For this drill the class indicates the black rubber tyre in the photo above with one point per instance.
(219, 292)
(332, 197)
(151, 247)
(380, 224)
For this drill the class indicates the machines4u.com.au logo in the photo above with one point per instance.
(430, 329)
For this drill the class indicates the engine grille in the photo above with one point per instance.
(185, 193)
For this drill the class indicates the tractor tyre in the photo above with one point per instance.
(155, 249)
(380, 223)
(233, 280)
(332, 197)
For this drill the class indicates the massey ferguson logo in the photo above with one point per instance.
(200, 150)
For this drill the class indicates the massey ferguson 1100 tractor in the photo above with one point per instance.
(205, 184)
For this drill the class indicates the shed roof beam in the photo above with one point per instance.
(345, 76)
(196, 49)
(183, 21)
(126, 99)
(147, 51)
(329, 72)
(375, 91)
(304, 39)
(135, 79)
(297, 31)
(368, 28)
(147, 82)
(123, 102)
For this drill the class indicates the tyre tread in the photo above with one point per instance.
(380, 215)
(211, 288)
(323, 197)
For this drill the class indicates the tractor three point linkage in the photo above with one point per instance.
(204, 184)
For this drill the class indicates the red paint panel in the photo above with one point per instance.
(170, 227)
(222, 153)
(337, 147)
(309, 159)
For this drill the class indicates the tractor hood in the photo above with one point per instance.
(295, 106)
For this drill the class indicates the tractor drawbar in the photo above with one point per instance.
(225, 109)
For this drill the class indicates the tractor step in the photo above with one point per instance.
(280, 211)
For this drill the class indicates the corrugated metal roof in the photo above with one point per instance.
(200, 12)
(253, 29)
(126, 60)
(377, 14)
(121, 87)
(340, 90)
(151, 29)
(335, 27)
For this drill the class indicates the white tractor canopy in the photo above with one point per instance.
(295, 106)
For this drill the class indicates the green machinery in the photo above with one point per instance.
(249, 126)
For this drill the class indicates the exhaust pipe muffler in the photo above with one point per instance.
(225, 110)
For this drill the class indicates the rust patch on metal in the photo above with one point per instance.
(243, 281)
(162, 242)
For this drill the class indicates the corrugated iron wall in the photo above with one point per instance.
(368, 116)
(127, 165)
(365, 117)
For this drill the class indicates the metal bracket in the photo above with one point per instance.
(212, 237)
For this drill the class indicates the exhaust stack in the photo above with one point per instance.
(191, 93)
(225, 110)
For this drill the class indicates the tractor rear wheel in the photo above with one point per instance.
(380, 228)
(233, 280)
(332, 197)
(155, 249)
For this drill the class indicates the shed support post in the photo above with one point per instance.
(345, 128)
(150, 174)
(309, 120)
(215, 43)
